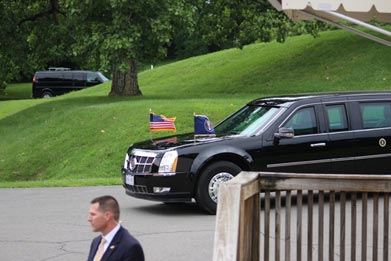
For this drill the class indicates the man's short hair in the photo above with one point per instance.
(108, 203)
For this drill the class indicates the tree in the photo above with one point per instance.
(110, 35)
(34, 35)
(221, 24)
(120, 34)
(116, 36)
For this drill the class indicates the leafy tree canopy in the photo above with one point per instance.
(115, 35)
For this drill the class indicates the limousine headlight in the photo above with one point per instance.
(168, 163)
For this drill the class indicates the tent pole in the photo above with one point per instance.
(347, 28)
(358, 22)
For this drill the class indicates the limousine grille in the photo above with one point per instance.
(140, 162)
(137, 188)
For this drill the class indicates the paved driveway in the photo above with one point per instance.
(51, 224)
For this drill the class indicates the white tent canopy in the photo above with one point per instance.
(333, 11)
(381, 6)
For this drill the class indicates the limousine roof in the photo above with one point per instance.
(289, 99)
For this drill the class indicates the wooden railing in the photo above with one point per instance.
(344, 218)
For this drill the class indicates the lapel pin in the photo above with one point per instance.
(112, 247)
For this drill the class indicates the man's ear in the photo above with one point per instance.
(108, 215)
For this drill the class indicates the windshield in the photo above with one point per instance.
(104, 78)
(246, 121)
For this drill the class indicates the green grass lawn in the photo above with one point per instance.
(81, 138)
(17, 92)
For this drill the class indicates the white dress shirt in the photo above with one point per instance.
(109, 237)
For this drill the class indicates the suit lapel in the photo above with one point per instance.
(113, 245)
(94, 247)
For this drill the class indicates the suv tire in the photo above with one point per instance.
(47, 95)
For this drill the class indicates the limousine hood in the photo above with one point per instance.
(182, 140)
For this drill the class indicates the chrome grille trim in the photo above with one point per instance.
(144, 164)
(139, 162)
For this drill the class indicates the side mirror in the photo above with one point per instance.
(284, 133)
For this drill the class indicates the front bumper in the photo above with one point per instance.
(144, 187)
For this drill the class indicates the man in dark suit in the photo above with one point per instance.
(115, 243)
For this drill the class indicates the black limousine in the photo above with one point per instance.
(320, 133)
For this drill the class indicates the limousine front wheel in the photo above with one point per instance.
(210, 180)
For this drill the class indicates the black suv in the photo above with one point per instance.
(319, 133)
(58, 81)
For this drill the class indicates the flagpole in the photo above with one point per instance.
(195, 137)
(150, 132)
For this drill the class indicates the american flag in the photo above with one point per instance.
(161, 123)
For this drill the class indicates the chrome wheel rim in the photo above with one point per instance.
(214, 184)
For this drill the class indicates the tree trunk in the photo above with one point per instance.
(125, 83)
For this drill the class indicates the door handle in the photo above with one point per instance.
(320, 144)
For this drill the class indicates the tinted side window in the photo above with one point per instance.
(67, 76)
(79, 79)
(337, 119)
(50, 76)
(67, 80)
(375, 115)
(303, 122)
(79, 76)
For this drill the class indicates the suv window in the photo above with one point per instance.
(337, 119)
(79, 76)
(375, 115)
(67, 77)
(49, 76)
(303, 122)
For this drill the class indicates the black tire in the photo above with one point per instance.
(209, 183)
(47, 95)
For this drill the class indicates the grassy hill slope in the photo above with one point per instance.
(81, 138)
